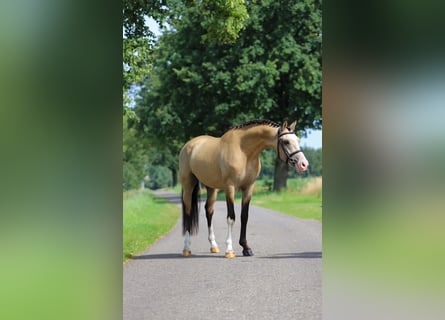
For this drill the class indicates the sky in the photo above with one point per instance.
(314, 137)
(313, 140)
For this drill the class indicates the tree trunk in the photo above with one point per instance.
(174, 177)
(280, 175)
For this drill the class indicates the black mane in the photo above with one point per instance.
(255, 123)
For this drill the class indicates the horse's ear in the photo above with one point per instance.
(284, 125)
(292, 126)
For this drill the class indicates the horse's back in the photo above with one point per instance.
(199, 149)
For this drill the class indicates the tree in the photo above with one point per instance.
(138, 43)
(314, 157)
(159, 177)
(134, 159)
(290, 33)
(272, 71)
(222, 20)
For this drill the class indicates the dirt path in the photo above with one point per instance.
(282, 281)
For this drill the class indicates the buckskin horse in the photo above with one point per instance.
(229, 163)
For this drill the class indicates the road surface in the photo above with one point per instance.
(281, 281)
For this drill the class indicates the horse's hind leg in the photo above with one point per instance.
(211, 197)
(190, 197)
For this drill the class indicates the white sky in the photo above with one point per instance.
(313, 140)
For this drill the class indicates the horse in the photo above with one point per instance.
(231, 162)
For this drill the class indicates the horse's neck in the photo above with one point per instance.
(256, 139)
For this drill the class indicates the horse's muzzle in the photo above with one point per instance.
(301, 164)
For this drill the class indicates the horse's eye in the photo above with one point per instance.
(286, 142)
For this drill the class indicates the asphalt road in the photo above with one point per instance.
(282, 281)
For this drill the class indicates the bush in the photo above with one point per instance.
(159, 177)
(131, 177)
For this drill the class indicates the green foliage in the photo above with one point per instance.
(272, 71)
(131, 178)
(267, 159)
(134, 157)
(141, 159)
(314, 156)
(159, 177)
(202, 82)
(138, 43)
(135, 12)
(137, 57)
(222, 19)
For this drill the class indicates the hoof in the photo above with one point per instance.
(186, 253)
(214, 249)
(247, 252)
(230, 255)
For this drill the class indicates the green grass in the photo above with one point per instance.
(300, 199)
(390, 246)
(306, 207)
(145, 219)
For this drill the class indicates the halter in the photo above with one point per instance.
(280, 143)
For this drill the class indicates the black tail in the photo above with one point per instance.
(190, 222)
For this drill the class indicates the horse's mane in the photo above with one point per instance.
(255, 123)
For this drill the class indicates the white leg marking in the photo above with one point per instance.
(230, 223)
(187, 241)
(212, 240)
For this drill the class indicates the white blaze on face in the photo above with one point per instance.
(302, 164)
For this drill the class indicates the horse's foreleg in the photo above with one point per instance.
(230, 197)
(211, 197)
(247, 195)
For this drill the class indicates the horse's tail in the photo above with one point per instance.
(190, 222)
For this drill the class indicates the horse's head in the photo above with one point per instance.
(288, 147)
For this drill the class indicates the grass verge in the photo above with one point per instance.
(145, 219)
(302, 198)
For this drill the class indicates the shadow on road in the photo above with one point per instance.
(175, 256)
(170, 256)
(300, 255)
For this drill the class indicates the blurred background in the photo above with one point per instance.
(383, 98)
(62, 133)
